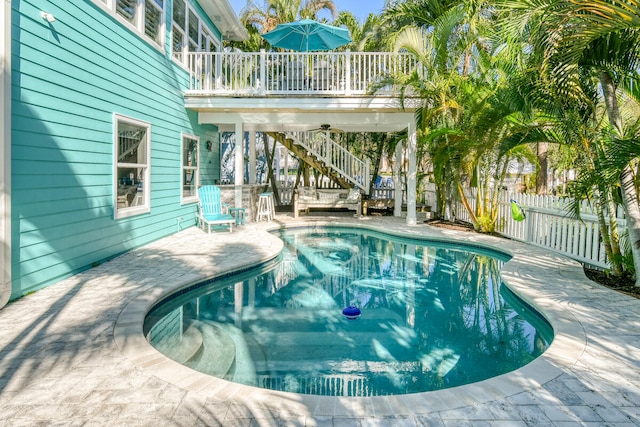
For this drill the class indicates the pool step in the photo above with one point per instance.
(218, 352)
(178, 345)
(328, 347)
(336, 367)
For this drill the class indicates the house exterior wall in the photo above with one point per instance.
(69, 78)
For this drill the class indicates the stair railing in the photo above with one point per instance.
(333, 155)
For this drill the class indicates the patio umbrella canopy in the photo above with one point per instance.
(307, 35)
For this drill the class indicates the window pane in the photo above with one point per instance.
(130, 189)
(177, 43)
(189, 152)
(179, 16)
(132, 167)
(127, 9)
(189, 167)
(189, 183)
(204, 43)
(132, 143)
(193, 26)
(152, 20)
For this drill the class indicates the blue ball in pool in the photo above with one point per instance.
(351, 312)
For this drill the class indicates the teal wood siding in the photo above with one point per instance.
(69, 77)
(210, 160)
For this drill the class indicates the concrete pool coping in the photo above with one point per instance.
(541, 278)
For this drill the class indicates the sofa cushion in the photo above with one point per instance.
(328, 196)
(307, 193)
(353, 196)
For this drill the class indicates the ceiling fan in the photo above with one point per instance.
(326, 127)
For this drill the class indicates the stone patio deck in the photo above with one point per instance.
(74, 354)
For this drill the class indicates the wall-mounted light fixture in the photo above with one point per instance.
(47, 16)
(209, 146)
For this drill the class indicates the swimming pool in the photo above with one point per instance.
(433, 316)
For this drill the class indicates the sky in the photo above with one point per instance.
(360, 8)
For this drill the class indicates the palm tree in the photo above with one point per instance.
(576, 127)
(597, 36)
(259, 20)
(365, 36)
(275, 12)
(455, 85)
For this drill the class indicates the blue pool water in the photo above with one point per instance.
(433, 316)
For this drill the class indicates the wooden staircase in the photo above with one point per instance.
(319, 151)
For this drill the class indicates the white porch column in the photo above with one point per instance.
(397, 181)
(412, 173)
(239, 164)
(286, 166)
(5, 153)
(252, 157)
(276, 159)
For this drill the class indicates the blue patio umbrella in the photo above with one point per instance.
(307, 35)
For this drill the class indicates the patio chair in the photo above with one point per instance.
(211, 210)
(323, 76)
(295, 77)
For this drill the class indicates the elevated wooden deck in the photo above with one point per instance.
(296, 73)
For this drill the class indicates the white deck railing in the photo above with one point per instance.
(282, 73)
(547, 224)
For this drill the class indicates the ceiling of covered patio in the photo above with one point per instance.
(268, 114)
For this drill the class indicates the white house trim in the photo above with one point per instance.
(225, 18)
(281, 121)
(412, 173)
(5, 153)
(239, 162)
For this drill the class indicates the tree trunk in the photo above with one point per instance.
(614, 235)
(605, 233)
(271, 176)
(628, 187)
(542, 177)
(467, 206)
(376, 163)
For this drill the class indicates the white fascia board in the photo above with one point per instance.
(5, 153)
(225, 18)
(301, 121)
(209, 103)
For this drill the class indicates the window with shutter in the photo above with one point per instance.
(127, 9)
(194, 26)
(153, 20)
(189, 32)
(145, 17)
(177, 43)
(179, 14)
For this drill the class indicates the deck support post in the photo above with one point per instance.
(252, 157)
(412, 173)
(397, 182)
(239, 164)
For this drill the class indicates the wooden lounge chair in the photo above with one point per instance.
(211, 210)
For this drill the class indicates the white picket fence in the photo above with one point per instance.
(547, 224)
